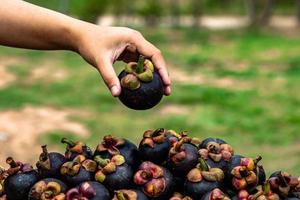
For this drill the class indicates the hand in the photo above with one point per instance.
(102, 46)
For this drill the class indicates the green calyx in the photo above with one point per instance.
(141, 71)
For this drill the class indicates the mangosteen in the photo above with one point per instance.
(78, 170)
(155, 145)
(111, 146)
(216, 152)
(129, 195)
(263, 192)
(19, 179)
(90, 190)
(114, 173)
(142, 87)
(241, 195)
(215, 194)
(48, 189)
(155, 181)
(49, 164)
(242, 173)
(76, 148)
(284, 184)
(178, 196)
(183, 157)
(202, 180)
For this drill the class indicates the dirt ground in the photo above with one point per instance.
(21, 129)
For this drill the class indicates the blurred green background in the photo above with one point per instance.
(239, 82)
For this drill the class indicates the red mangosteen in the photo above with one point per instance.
(216, 152)
(178, 196)
(19, 178)
(78, 170)
(215, 194)
(183, 156)
(48, 189)
(76, 148)
(202, 180)
(155, 145)
(155, 181)
(114, 173)
(284, 184)
(142, 87)
(49, 164)
(243, 173)
(129, 195)
(88, 191)
(111, 146)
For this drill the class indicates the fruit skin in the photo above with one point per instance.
(158, 183)
(215, 194)
(74, 149)
(121, 178)
(63, 187)
(202, 179)
(99, 192)
(155, 145)
(49, 164)
(216, 152)
(146, 96)
(82, 176)
(17, 186)
(132, 194)
(196, 191)
(125, 148)
(115, 174)
(182, 158)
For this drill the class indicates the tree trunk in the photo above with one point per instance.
(175, 21)
(266, 13)
(197, 12)
(251, 11)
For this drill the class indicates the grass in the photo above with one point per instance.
(264, 115)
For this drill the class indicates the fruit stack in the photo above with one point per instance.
(166, 165)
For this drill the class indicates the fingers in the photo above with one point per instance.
(109, 76)
(149, 50)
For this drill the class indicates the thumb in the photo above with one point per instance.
(109, 76)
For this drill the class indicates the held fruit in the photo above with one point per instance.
(142, 87)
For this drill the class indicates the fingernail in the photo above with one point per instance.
(114, 91)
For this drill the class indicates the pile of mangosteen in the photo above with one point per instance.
(165, 165)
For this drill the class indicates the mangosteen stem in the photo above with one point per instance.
(44, 155)
(267, 188)
(179, 145)
(203, 165)
(11, 162)
(282, 180)
(102, 162)
(257, 159)
(244, 172)
(140, 65)
(68, 142)
(121, 196)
